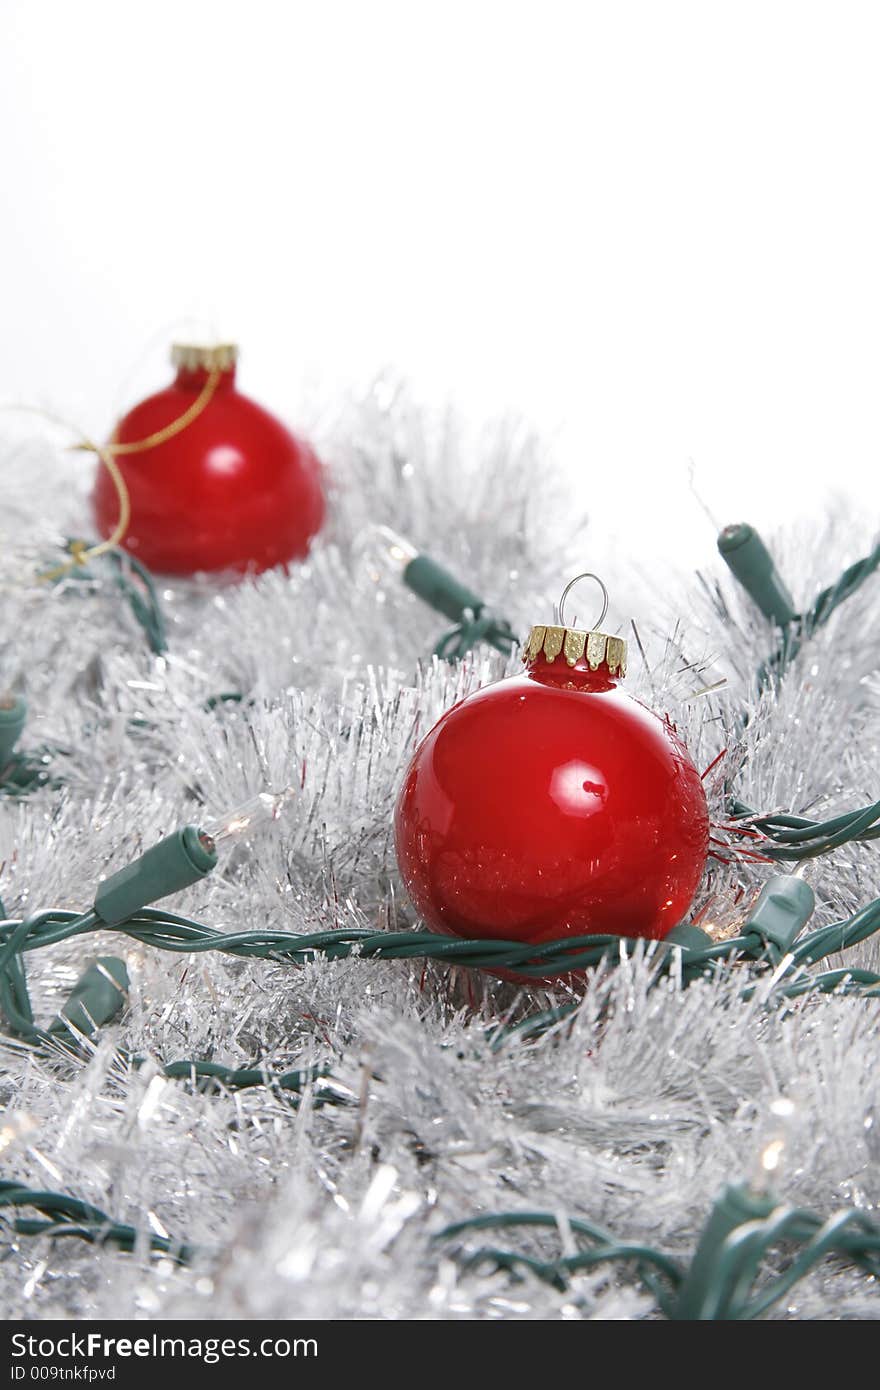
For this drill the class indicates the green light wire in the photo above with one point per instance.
(649, 1262)
(215, 1076)
(727, 1295)
(729, 1269)
(46, 928)
(482, 626)
(69, 1216)
(28, 771)
(831, 598)
(169, 932)
(142, 596)
(834, 1236)
(795, 838)
(802, 628)
(143, 599)
(730, 1262)
(25, 772)
(733, 1267)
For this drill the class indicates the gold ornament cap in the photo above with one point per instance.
(195, 357)
(576, 644)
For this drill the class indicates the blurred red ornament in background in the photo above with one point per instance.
(225, 486)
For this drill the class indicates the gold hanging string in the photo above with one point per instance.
(152, 441)
(80, 552)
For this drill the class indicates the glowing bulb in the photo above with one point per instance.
(772, 1154)
(397, 549)
(387, 554)
(250, 816)
(15, 1130)
(777, 1132)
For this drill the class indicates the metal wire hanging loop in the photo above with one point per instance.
(560, 607)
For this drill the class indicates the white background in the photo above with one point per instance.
(653, 228)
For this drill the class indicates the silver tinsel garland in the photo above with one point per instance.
(634, 1116)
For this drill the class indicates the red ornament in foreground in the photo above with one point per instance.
(232, 489)
(552, 805)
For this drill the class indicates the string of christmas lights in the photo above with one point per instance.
(770, 936)
(22, 772)
(797, 838)
(434, 584)
(743, 1229)
(752, 565)
(64, 1216)
(781, 952)
(722, 1281)
(132, 580)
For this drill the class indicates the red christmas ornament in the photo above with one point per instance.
(551, 804)
(225, 487)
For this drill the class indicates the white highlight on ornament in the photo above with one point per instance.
(576, 786)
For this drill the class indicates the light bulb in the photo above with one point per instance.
(250, 816)
(777, 1132)
(387, 554)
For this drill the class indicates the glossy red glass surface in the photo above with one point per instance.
(551, 805)
(233, 490)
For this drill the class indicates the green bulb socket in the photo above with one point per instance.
(13, 714)
(736, 1206)
(97, 997)
(687, 935)
(200, 848)
(441, 590)
(173, 864)
(784, 906)
(751, 563)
